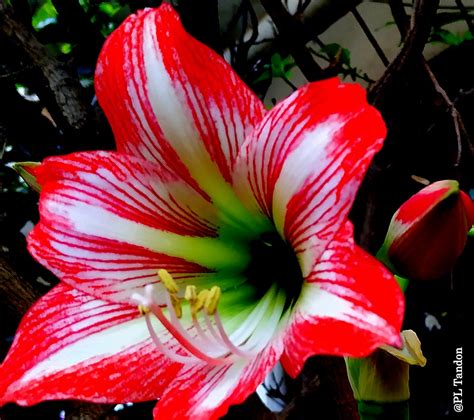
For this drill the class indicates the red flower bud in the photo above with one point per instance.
(429, 231)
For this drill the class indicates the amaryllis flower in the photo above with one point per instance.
(428, 232)
(212, 244)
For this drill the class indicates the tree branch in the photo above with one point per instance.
(412, 52)
(466, 15)
(293, 37)
(322, 383)
(16, 295)
(385, 94)
(360, 20)
(59, 88)
(400, 17)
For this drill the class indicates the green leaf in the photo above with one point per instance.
(58, 48)
(65, 47)
(85, 4)
(331, 50)
(468, 36)
(345, 56)
(109, 8)
(265, 75)
(281, 66)
(44, 15)
(447, 37)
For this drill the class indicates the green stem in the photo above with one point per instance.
(370, 410)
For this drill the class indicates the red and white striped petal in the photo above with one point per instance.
(132, 188)
(304, 162)
(203, 392)
(110, 221)
(171, 99)
(73, 346)
(350, 304)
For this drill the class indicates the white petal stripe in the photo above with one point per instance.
(87, 219)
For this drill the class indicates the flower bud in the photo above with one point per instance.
(428, 232)
(383, 376)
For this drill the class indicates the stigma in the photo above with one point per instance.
(196, 330)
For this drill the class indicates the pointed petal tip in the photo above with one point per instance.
(451, 184)
(163, 10)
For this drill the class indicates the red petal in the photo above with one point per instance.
(132, 188)
(303, 164)
(349, 306)
(170, 98)
(110, 221)
(204, 392)
(73, 346)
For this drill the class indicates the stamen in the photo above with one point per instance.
(190, 294)
(168, 281)
(212, 300)
(176, 304)
(226, 339)
(183, 338)
(143, 309)
(173, 327)
(199, 303)
(211, 328)
(162, 348)
(207, 341)
(243, 342)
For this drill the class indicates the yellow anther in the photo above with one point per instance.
(197, 305)
(212, 300)
(168, 281)
(190, 294)
(143, 309)
(176, 302)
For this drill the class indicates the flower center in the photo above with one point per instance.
(274, 263)
(193, 328)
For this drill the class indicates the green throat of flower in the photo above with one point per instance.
(216, 325)
(274, 263)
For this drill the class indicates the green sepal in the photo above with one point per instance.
(382, 256)
(25, 171)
